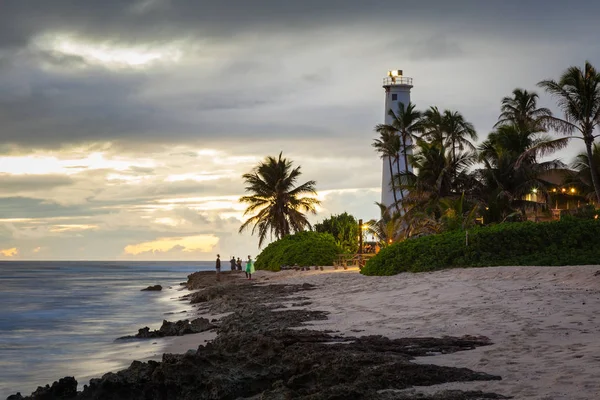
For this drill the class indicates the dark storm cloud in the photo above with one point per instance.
(142, 20)
(57, 107)
(49, 99)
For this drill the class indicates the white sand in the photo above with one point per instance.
(542, 320)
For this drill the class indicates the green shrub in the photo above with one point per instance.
(343, 228)
(303, 249)
(568, 242)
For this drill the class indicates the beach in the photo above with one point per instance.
(542, 320)
(519, 332)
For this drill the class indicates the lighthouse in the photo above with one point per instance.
(397, 90)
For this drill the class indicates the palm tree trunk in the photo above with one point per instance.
(454, 160)
(593, 167)
(393, 184)
(405, 157)
(400, 184)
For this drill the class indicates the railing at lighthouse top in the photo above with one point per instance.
(397, 80)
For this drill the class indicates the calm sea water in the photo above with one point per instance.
(62, 318)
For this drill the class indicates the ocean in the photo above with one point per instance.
(62, 318)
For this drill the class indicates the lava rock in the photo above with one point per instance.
(178, 328)
(155, 288)
(65, 388)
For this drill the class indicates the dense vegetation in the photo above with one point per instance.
(571, 241)
(343, 228)
(450, 183)
(303, 249)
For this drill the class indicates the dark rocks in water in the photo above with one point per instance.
(155, 288)
(229, 298)
(65, 388)
(257, 355)
(172, 313)
(203, 279)
(178, 328)
(284, 364)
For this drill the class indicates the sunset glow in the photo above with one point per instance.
(190, 244)
(12, 252)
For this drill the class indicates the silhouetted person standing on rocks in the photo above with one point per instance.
(218, 267)
(239, 264)
(232, 262)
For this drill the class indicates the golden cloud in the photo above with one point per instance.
(9, 252)
(72, 227)
(188, 244)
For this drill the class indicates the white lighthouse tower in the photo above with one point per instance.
(397, 90)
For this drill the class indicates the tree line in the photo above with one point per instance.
(454, 182)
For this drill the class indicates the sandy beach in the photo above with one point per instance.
(542, 320)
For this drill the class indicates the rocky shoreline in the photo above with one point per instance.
(263, 351)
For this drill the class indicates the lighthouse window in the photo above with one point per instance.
(394, 97)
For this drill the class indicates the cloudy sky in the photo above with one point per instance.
(126, 125)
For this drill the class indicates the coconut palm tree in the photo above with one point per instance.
(521, 110)
(448, 130)
(583, 178)
(406, 122)
(459, 133)
(388, 228)
(276, 200)
(388, 147)
(457, 213)
(439, 176)
(432, 127)
(578, 96)
(512, 152)
(512, 168)
(396, 140)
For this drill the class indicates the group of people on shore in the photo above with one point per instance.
(236, 265)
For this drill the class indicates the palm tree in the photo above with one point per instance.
(388, 146)
(583, 178)
(578, 96)
(433, 126)
(406, 122)
(439, 176)
(276, 199)
(511, 167)
(459, 133)
(396, 138)
(456, 214)
(512, 152)
(521, 110)
(387, 229)
(448, 130)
